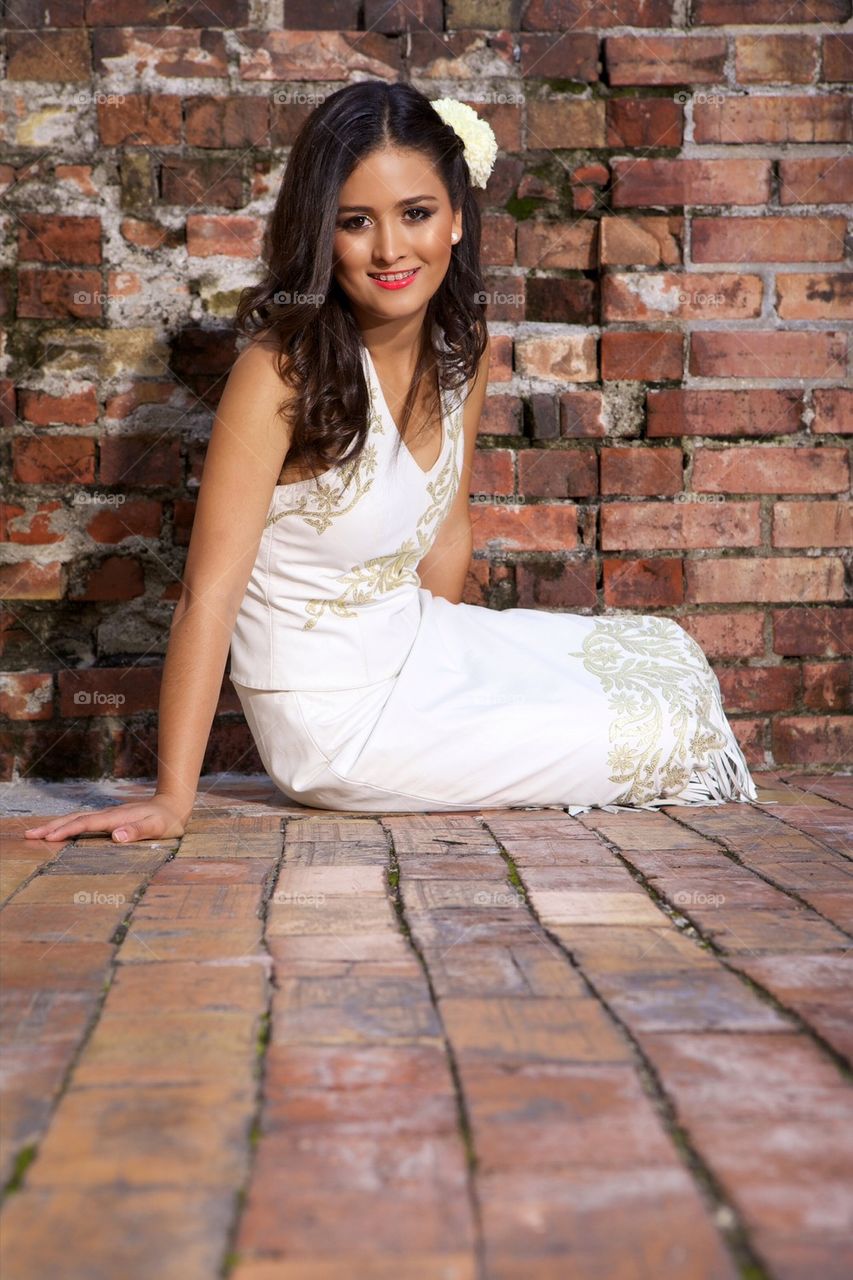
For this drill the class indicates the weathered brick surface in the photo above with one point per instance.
(669, 210)
(494, 1043)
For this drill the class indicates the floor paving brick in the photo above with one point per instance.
(486, 1045)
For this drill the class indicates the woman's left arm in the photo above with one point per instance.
(444, 568)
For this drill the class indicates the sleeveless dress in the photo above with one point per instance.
(366, 693)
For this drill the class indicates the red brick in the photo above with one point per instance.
(232, 236)
(644, 122)
(492, 472)
(826, 686)
(757, 353)
(640, 241)
(554, 300)
(141, 461)
(727, 580)
(158, 52)
(556, 123)
(235, 123)
(498, 243)
(48, 56)
(544, 57)
(826, 295)
(641, 471)
(140, 120)
(823, 740)
(774, 468)
(581, 415)
(115, 578)
(53, 459)
(642, 356)
(78, 409)
(727, 635)
(833, 410)
(544, 15)
(289, 55)
(26, 695)
(198, 180)
(772, 119)
(812, 524)
(674, 295)
(109, 691)
(134, 518)
(815, 179)
(588, 182)
(568, 358)
(688, 181)
(539, 527)
(643, 584)
(50, 292)
(679, 412)
(567, 245)
(838, 57)
(756, 689)
(558, 585)
(34, 527)
(772, 239)
(711, 13)
(501, 416)
(58, 238)
(776, 59)
(32, 581)
(813, 632)
(557, 473)
(677, 526)
(665, 59)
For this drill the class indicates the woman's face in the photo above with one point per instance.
(394, 216)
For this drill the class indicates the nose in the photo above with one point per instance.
(389, 243)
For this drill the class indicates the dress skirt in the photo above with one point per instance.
(511, 709)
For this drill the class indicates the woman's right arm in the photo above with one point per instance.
(247, 449)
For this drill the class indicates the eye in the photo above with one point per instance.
(348, 224)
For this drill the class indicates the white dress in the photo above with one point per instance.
(365, 692)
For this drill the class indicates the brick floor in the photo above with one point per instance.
(496, 1045)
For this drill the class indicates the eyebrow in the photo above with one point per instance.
(365, 208)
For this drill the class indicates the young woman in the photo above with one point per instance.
(332, 534)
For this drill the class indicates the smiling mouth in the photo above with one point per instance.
(392, 275)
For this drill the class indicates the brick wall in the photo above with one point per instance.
(665, 247)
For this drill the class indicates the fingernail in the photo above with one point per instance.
(121, 834)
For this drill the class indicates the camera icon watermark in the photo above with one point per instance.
(92, 898)
(97, 698)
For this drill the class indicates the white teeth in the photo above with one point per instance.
(401, 275)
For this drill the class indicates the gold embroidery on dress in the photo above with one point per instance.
(322, 503)
(645, 661)
(384, 573)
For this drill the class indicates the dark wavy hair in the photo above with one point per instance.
(299, 308)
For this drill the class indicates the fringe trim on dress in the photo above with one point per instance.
(726, 778)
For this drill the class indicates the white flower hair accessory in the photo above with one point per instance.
(480, 143)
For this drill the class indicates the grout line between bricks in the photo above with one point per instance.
(764, 877)
(393, 878)
(27, 1154)
(231, 1257)
(723, 1214)
(729, 962)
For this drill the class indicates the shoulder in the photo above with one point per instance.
(261, 355)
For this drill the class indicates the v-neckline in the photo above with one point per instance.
(390, 417)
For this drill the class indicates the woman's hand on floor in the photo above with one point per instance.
(144, 820)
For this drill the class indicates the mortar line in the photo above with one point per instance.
(29, 1152)
(230, 1255)
(723, 1215)
(465, 1128)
